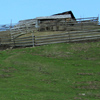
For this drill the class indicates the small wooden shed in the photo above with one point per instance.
(54, 22)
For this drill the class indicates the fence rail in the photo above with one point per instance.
(68, 37)
(50, 39)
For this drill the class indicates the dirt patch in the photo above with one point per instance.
(5, 76)
(89, 85)
(88, 74)
(78, 98)
(8, 70)
(88, 82)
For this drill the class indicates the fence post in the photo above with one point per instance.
(13, 41)
(66, 24)
(69, 37)
(33, 39)
(11, 37)
(0, 41)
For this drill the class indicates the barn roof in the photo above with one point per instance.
(67, 12)
(55, 17)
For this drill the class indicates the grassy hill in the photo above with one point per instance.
(51, 72)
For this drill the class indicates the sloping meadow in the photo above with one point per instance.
(67, 71)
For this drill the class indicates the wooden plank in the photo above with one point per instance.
(85, 37)
(51, 40)
(92, 33)
(64, 36)
(67, 41)
(98, 30)
(24, 37)
(51, 43)
(51, 35)
(23, 40)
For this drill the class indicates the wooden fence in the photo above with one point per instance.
(72, 36)
(68, 37)
(5, 37)
(57, 38)
(25, 41)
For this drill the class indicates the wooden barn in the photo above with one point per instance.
(64, 21)
(55, 22)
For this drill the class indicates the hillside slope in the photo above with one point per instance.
(51, 72)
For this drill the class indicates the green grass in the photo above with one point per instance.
(51, 72)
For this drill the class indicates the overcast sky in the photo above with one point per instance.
(16, 10)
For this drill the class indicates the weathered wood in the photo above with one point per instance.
(64, 36)
(23, 40)
(25, 45)
(51, 43)
(61, 38)
(69, 37)
(67, 41)
(24, 37)
(76, 32)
